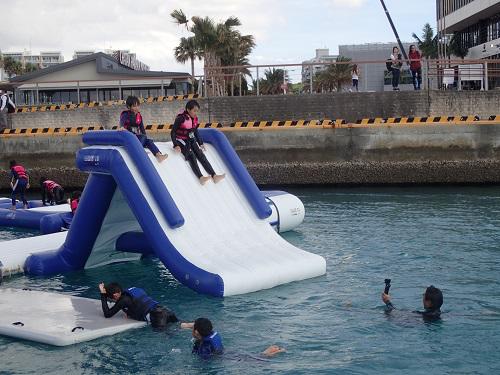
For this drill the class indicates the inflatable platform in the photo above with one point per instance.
(215, 239)
(57, 319)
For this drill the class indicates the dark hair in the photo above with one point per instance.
(112, 288)
(160, 317)
(191, 104)
(203, 326)
(42, 180)
(76, 194)
(131, 101)
(12, 163)
(412, 45)
(435, 296)
(393, 48)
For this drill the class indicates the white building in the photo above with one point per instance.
(322, 56)
(43, 60)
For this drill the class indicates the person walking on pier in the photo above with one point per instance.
(396, 64)
(415, 66)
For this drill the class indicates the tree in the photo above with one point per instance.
(428, 44)
(12, 67)
(219, 44)
(272, 81)
(29, 67)
(335, 76)
(457, 48)
(187, 50)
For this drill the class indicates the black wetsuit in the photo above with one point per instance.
(190, 146)
(427, 314)
(132, 308)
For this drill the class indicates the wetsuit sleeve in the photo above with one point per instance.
(198, 137)
(142, 129)
(390, 306)
(178, 121)
(109, 312)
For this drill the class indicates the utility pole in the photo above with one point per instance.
(394, 30)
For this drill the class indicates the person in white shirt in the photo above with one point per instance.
(5, 103)
(397, 63)
(355, 77)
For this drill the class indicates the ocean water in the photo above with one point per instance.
(335, 324)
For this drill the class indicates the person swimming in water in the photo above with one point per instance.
(432, 301)
(208, 342)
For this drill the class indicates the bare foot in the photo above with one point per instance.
(161, 157)
(219, 177)
(204, 179)
(273, 350)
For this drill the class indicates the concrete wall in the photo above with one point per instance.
(349, 106)
(418, 154)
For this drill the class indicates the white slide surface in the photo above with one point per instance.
(57, 319)
(221, 234)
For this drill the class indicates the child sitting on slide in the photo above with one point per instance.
(186, 139)
(131, 120)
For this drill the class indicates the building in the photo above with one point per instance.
(475, 22)
(322, 56)
(374, 76)
(83, 53)
(92, 78)
(43, 60)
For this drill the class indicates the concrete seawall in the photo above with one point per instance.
(399, 154)
(348, 106)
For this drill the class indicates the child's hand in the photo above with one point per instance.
(187, 325)
(273, 350)
(386, 298)
(27, 186)
(102, 289)
(120, 129)
(203, 148)
(177, 149)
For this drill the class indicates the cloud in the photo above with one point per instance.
(348, 3)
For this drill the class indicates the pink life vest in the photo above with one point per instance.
(186, 129)
(50, 185)
(20, 171)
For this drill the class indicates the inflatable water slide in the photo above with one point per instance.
(215, 238)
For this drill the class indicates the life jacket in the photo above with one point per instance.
(19, 171)
(131, 121)
(187, 127)
(74, 205)
(143, 304)
(50, 185)
(209, 345)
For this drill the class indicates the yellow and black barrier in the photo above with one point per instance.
(62, 107)
(75, 130)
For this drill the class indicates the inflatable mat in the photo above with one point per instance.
(56, 319)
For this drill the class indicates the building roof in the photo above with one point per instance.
(104, 63)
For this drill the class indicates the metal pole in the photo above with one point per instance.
(78, 92)
(284, 81)
(258, 85)
(486, 84)
(311, 72)
(37, 95)
(240, 84)
(394, 30)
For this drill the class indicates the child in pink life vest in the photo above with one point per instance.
(52, 192)
(186, 139)
(131, 120)
(19, 183)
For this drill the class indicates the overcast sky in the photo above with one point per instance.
(286, 31)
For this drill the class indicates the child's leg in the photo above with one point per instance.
(13, 195)
(150, 145)
(203, 159)
(22, 189)
(191, 158)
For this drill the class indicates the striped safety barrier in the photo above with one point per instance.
(63, 107)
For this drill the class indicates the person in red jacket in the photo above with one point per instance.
(131, 120)
(415, 66)
(19, 183)
(187, 139)
(52, 192)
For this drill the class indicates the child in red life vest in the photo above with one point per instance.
(186, 139)
(74, 200)
(52, 192)
(131, 120)
(19, 183)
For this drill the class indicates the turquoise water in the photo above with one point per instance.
(334, 324)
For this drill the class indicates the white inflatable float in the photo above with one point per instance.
(57, 319)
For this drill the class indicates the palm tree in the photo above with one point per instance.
(428, 44)
(187, 50)
(335, 76)
(457, 48)
(219, 44)
(12, 67)
(272, 81)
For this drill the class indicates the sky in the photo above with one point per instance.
(286, 31)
